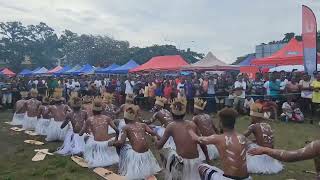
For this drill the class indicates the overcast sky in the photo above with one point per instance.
(227, 28)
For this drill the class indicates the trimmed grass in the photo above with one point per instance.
(16, 164)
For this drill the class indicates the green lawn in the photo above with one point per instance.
(16, 164)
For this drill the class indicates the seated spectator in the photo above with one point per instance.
(291, 112)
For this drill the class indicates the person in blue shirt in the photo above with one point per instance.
(274, 86)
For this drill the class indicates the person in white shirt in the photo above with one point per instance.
(240, 87)
(129, 86)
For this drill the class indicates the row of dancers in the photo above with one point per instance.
(89, 127)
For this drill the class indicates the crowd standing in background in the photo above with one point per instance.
(289, 91)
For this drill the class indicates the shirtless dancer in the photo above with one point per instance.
(310, 151)
(164, 117)
(58, 111)
(44, 117)
(263, 133)
(73, 143)
(109, 108)
(129, 101)
(87, 105)
(32, 106)
(182, 163)
(205, 125)
(136, 159)
(20, 110)
(232, 150)
(97, 152)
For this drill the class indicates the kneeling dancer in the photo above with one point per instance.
(232, 150)
(20, 110)
(73, 142)
(136, 159)
(262, 164)
(97, 152)
(32, 105)
(58, 111)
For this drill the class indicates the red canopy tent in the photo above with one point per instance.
(7, 72)
(162, 63)
(56, 69)
(290, 54)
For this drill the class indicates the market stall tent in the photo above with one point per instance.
(56, 69)
(290, 54)
(248, 60)
(107, 69)
(125, 68)
(7, 72)
(42, 70)
(25, 72)
(64, 69)
(70, 71)
(210, 63)
(161, 63)
(86, 69)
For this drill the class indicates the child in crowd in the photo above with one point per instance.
(247, 103)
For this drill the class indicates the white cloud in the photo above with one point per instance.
(227, 28)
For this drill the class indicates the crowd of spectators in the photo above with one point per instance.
(288, 90)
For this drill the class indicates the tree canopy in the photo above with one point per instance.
(45, 48)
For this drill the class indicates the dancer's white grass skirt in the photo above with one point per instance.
(17, 119)
(213, 151)
(54, 132)
(180, 168)
(170, 143)
(79, 144)
(136, 165)
(262, 164)
(66, 148)
(29, 123)
(99, 154)
(42, 126)
(214, 173)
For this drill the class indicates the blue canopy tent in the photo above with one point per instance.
(40, 71)
(124, 69)
(247, 60)
(61, 71)
(86, 69)
(107, 69)
(25, 72)
(36, 69)
(70, 71)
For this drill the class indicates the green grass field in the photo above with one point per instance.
(16, 164)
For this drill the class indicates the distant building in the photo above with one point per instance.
(265, 50)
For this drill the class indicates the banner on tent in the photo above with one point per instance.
(309, 37)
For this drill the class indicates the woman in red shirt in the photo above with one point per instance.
(167, 91)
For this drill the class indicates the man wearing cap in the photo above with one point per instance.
(183, 162)
(58, 111)
(136, 159)
(32, 106)
(44, 117)
(20, 109)
(232, 150)
(205, 125)
(97, 152)
(263, 134)
(73, 142)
